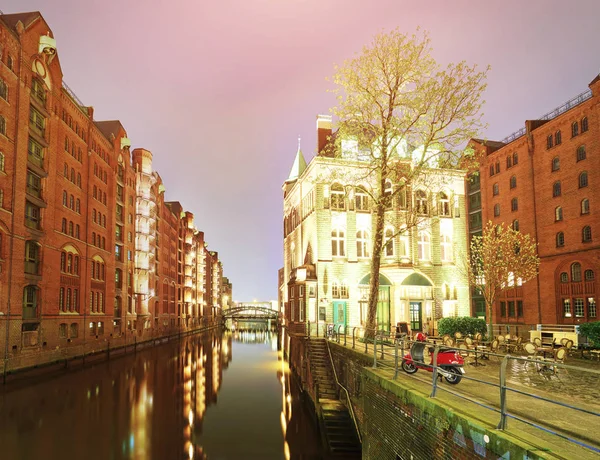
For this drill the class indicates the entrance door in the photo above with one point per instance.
(339, 315)
(415, 316)
(383, 308)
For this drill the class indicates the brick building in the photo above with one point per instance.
(327, 226)
(542, 180)
(88, 247)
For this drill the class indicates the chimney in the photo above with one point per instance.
(323, 132)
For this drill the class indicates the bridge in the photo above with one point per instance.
(251, 312)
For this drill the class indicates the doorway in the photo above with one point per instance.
(416, 318)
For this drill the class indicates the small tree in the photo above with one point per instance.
(500, 258)
(405, 115)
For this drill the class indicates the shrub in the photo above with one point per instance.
(592, 332)
(463, 324)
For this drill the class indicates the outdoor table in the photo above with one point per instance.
(480, 349)
(545, 350)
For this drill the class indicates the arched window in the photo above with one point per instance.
(335, 289)
(362, 199)
(549, 142)
(76, 265)
(513, 181)
(389, 242)
(424, 246)
(1, 161)
(76, 230)
(574, 129)
(73, 175)
(421, 202)
(65, 198)
(581, 153)
(496, 210)
(337, 197)
(444, 204)
(585, 206)
(445, 248)
(564, 277)
(403, 243)
(560, 239)
(338, 243)
(362, 243)
(61, 299)
(515, 225)
(2, 125)
(583, 179)
(508, 161)
(388, 189)
(63, 227)
(79, 180)
(94, 215)
(63, 262)
(68, 298)
(558, 137)
(70, 228)
(72, 202)
(584, 124)
(344, 290)
(78, 205)
(95, 192)
(588, 275)
(555, 164)
(514, 204)
(576, 272)
(515, 158)
(558, 214)
(556, 190)
(586, 234)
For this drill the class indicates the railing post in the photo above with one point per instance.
(366, 342)
(435, 372)
(502, 424)
(353, 338)
(338, 333)
(395, 359)
(375, 351)
(345, 335)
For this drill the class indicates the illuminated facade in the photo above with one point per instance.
(542, 180)
(89, 250)
(327, 226)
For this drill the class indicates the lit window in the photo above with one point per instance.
(585, 206)
(558, 214)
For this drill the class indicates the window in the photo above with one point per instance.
(564, 277)
(76, 230)
(583, 179)
(515, 158)
(515, 225)
(38, 91)
(491, 170)
(337, 197)
(549, 142)
(403, 243)
(361, 198)
(581, 153)
(389, 242)
(588, 275)
(421, 202)
(555, 164)
(445, 248)
(497, 167)
(32, 215)
(335, 290)
(567, 308)
(558, 214)
(496, 210)
(424, 246)
(32, 257)
(513, 181)
(508, 162)
(63, 226)
(62, 331)
(1, 198)
(574, 129)
(579, 307)
(560, 239)
(444, 204)
(37, 121)
(77, 206)
(520, 308)
(362, 243)
(495, 189)
(584, 124)
(585, 206)
(511, 308)
(72, 202)
(576, 272)
(2, 125)
(3, 90)
(74, 330)
(1, 161)
(30, 302)
(591, 307)
(557, 138)
(586, 234)
(514, 204)
(556, 190)
(344, 290)
(338, 243)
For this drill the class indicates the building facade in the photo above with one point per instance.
(327, 246)
(541, 180)
(88, 247)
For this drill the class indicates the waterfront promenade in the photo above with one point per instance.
(528, 397)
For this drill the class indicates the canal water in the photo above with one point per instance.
(211, 396)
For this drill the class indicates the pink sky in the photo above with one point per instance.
(220, 90)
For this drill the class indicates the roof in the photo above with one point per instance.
(298, 167)
(109, 127)
(492, 144)
(26, 18)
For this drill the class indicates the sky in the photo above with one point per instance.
(219, 91)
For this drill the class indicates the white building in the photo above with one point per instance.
(327, 244)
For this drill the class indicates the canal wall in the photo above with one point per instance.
(397, 422)
(89, 349)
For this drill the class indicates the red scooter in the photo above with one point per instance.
(450, 362)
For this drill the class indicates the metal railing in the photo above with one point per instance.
(396, 351)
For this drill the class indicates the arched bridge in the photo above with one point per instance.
(251, 312)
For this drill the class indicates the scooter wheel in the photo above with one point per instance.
(409, 368)
(454, 375)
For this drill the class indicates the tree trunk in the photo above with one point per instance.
(490, 324)
(375, 265)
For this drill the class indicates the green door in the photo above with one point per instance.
(415, 317)
(339, 316)
(383, 308)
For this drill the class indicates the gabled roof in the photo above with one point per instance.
(298, 167)
(109, 127)
(492, 144)
(26, 18)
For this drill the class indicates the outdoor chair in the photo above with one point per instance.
(478, 337)
(531, 350)
(469, 343)
(494, 346)
(563, 341)
(449, 341)
(516, 346)
(560, 355)
(457, 336)
(568, 345)
(537, 341)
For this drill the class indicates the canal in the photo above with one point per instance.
(211, 395)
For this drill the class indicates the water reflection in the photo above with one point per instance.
(161, 403)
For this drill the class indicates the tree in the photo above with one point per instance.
(501, 258)
(403, 115)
